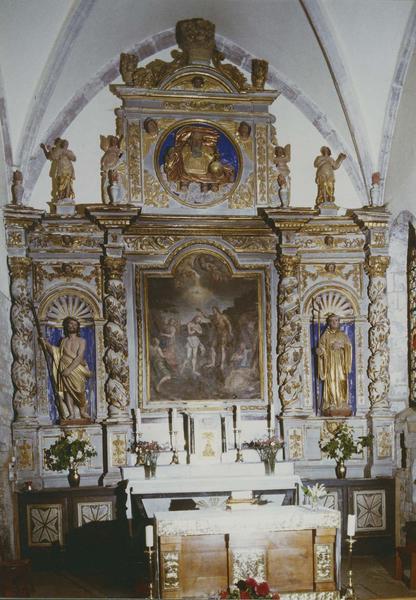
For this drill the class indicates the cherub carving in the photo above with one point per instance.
(113, 169)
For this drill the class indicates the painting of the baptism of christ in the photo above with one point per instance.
(203, 327)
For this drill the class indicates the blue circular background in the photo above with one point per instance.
(226, 149)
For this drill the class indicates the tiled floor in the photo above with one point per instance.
(372, 579)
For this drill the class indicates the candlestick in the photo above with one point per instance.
(239, 455)
(138, 420)
(351, 525)
(149, 536)
(238, 417)
(349, 593)
(149, 552)
(175, 455)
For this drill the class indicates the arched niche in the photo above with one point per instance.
(322, 302)
(83, 308)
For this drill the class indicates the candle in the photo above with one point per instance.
(174, 419)
(351, 526)
(149, 536)
(238, 417)
(138, 420)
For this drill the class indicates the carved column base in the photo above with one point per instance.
(382, 460)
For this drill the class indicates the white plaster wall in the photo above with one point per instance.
(397, 302)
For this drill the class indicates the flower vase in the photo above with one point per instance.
(73, 477)
(147, 470)
(153, 465)
(340, 470)
(269, 465)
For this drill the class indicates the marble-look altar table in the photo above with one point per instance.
(294, 548)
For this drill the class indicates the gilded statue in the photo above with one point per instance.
(70, 371)
(62, 170)
(17, 188)
(334, 364)
(195, 158)
(113, 169)
(325, 179)
(259, 70)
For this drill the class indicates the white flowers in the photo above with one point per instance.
(315, 492)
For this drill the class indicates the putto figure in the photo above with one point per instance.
(325, 179)
(195, 158)
(62, 170)
(113, 169)
(70, 371)
(334, 364)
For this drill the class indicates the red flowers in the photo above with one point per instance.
(249, 588)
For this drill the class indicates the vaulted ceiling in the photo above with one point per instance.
(345, 69)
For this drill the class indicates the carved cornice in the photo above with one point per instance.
(376, 266)
(19, 267)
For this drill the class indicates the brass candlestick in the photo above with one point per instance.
(175, 455)
(349, 593)
(149, 551)
(237, 437)
(138, 450)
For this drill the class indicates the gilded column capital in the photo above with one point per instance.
(288, 265)
(376, 266)
(19, 267)
(114, 267)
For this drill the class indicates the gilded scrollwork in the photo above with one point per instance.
(134, 160)
(350, 273)
(115, 338)
(248, 563)
(243, 196)
(296, 443)
(170, 570)
(251, 243)
(197, 105)
(324, 562)
(154, 194)
(384, 439)
(23, 369)
(289, 351)
(411, 286)
(261, 152)
(15, 239)
(118, 449)
(67, 271)
(378, 362)
(150, 244)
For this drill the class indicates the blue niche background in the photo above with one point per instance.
(54, 336)
(349, 330)
(226, 149)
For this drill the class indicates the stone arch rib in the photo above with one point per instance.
(393, 103)
(318, 20)
(58, 56)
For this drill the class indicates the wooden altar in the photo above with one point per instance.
(292, 547)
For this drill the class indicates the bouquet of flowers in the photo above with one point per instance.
(341, 444)
(69, 452)
(314, 493)
(249, 588)
(266, 447)
(147, 452)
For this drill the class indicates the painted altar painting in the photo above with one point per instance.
(203, 327)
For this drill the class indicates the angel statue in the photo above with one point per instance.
(325, 179)
(282, 157)
(113, 170)
(62, 170)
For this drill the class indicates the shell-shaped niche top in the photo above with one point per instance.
(331, 302)
(69, 306)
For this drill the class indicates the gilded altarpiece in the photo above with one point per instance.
(195, 285)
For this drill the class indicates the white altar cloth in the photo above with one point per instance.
(262, 518)
(193, 479)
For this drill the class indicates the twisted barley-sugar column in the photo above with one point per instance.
(23, 367)
(378, 362)
(289, 349)
(115, 338)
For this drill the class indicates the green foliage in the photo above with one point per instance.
(341, 444)
(68, 452)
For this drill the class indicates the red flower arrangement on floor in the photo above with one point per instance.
(249, 588)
